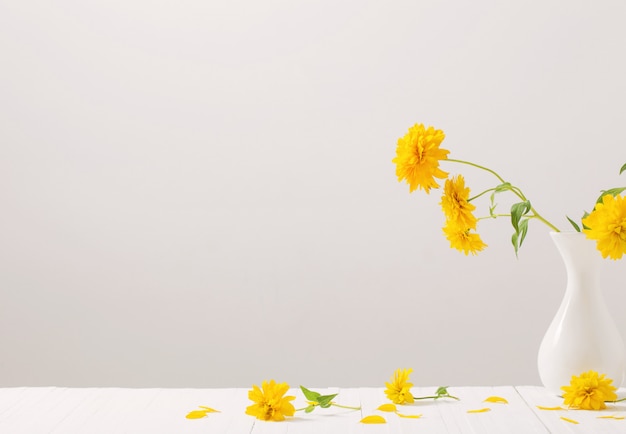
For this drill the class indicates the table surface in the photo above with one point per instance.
(57, 410)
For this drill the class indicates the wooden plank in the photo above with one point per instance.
(588, 421)
(166, 413)
(449, 416)
(138, 411)
(29, 407)
(95, 410)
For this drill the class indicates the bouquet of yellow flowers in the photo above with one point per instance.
(418, 156)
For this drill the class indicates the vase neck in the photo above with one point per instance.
(580, 257)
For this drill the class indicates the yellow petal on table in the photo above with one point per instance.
(409, 416)
(196, 414)
(387, 407)
(496, 400)
(550, 408)
(612, 417)
(569, 420)
(208, 409)
(480, 410)
(373, 419)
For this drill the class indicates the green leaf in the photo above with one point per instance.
(514, 238)
(585, 215)
(310, 395)
(574, 224)
(506, 186)
(309, 409)
(518, 210)
(325, 400)
(622, 169)
(442, 391)
(613, 191)
(523, 229)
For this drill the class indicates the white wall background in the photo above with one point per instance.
(200, 193)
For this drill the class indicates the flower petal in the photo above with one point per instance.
(569, 420)
(409, 416)
(208, 409)
(496, 400)
(373, 419)
(480, 410)
(612, 417)
(550, 408)
(196, 414)
(387, 407)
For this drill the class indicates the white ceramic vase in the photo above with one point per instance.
(582, 335)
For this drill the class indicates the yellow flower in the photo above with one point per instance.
(269, 403)
(455, 205)
(462, 239)
(399, 390)
(607, 225)
(417, 157)
(589, 391)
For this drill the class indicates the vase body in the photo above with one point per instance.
(582, 335)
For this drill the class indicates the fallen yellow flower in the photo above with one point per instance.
(569, 420)
(373, 419)
(496, 400)
(270, 402)
(589, 391)
(480, 410)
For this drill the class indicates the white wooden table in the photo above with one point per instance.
(55, 410)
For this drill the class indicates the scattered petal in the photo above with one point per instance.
(387, 407)
(550, 408)
(373, 419)
(196, 414)
(209, 409)
(612, 417)
(409, 416)
(569, 420)
(480, 410)
(496, 400)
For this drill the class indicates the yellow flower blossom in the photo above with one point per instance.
(462, 239)
(589, 391)
(399, 390)
(607, 225)
(417, 158)
(455, 205)
(270, 402)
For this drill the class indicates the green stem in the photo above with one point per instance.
(345, 406)
(537, 216)
(516, 190)
(480, 194)
(617, 400)
(477, 166)
(493, 216)
(436, 397)
(333, 404)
